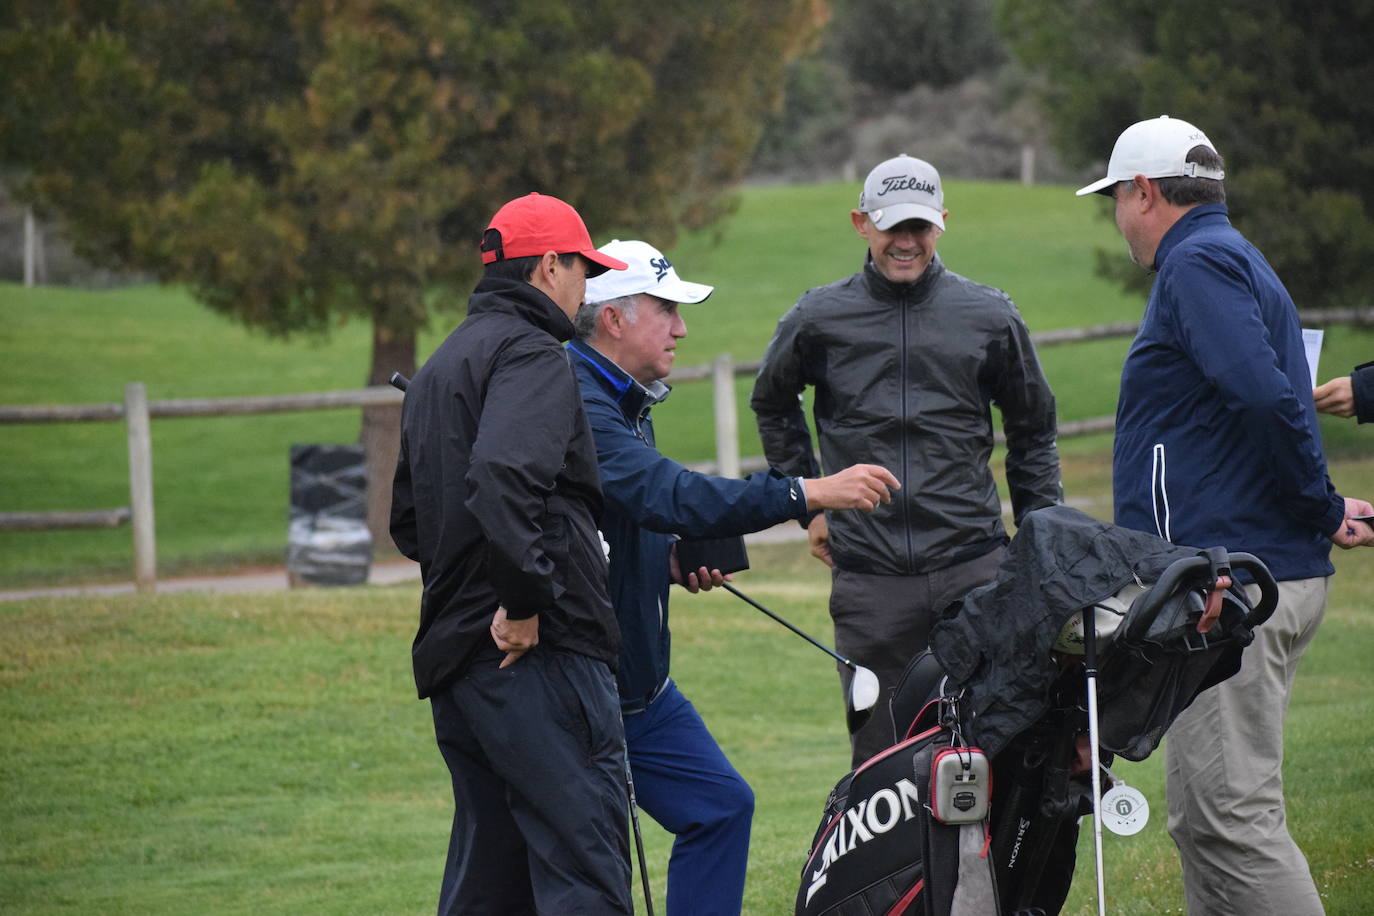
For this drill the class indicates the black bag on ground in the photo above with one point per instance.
(328, 542)
(879, 849)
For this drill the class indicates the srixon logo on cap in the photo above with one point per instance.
(906, 183)
(661, 267)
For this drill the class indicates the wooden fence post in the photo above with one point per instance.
(141, 486)
(727, 421)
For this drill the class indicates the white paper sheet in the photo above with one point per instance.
(1312, 343)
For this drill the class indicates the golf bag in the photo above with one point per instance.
(1005, 674)
(885, 845)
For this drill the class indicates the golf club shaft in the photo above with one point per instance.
(824, 648)
(1090, 667)
(639, 837)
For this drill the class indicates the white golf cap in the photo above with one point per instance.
(648, 272)
(903, 188)
(1156, 149)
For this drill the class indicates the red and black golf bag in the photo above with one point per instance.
(1003, 680)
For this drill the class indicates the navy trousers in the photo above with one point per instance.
(683, 781)
(536, 753)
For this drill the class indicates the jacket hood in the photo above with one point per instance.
(516, 297)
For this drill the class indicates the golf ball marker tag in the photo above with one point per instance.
(1124, 810)
(960, 785)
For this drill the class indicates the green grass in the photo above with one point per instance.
(264, 753)
(221, 484)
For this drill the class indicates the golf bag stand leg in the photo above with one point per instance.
(1090, 669)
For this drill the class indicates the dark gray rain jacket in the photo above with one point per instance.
(904, 377)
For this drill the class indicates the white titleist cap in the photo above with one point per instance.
(903, 188)
(648, 272)
(1156, 149)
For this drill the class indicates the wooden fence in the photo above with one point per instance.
(137, 412)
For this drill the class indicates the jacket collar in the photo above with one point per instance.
(516, 297)
(885, 290)
(633, 398)
(1187, 224)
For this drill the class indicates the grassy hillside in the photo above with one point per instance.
(222, 483)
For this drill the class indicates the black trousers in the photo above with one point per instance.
(536, 752)
(881, 622)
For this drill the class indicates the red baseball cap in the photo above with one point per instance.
(531, 225)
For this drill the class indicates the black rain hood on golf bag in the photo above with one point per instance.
(996, 644)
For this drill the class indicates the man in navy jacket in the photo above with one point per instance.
(627, 333)
(1217, 444)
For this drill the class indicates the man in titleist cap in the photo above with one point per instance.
(627, 334)
(496, 495)
(1217, 445)
(906, 359)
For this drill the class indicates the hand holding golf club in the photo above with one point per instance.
(861, 486)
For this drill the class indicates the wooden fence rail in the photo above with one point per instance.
(137, 412)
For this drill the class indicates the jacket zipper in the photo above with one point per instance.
(1159, 493)
(906, 513)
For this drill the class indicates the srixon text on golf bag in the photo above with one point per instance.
(881, 848)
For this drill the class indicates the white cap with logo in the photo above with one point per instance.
(903, 188)
(648, 272)
(1156, 148)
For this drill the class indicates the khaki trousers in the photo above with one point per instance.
(1224, 775)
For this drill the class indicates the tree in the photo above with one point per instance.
(894, 45)
(300, 162)
(1281, 88)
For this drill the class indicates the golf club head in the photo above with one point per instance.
(863, 697)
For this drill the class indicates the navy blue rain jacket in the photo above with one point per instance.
(1216, 433)
(650, 498)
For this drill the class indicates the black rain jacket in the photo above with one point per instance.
(997, 642)
(496, 489)
(904, 376)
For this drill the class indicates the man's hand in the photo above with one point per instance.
(862, 486)
(1353, 533)
(1335, 397)
(703, 580)
(514, 637)
(818, 533)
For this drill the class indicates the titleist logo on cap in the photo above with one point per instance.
(905, 183)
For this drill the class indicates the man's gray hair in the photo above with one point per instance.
(589, 314)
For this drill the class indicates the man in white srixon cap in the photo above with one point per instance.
(907, 358)
(1217, 445)
(627, 333)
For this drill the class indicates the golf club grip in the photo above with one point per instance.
(399, 381)
(1143, 612)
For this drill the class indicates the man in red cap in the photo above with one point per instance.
(496, 496)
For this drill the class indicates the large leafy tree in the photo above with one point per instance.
(300, 162)
(1282, 88)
